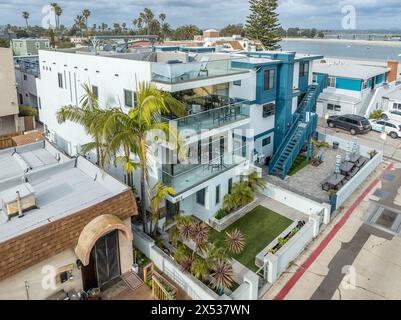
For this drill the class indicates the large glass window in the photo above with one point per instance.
(269, 78)
(331, 82)
(397, 106)
(304, 69)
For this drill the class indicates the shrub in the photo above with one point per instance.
(221, 214)
(27, 111)
(376, 114)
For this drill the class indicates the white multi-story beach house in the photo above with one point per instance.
(243, 109)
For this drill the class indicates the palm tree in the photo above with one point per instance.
(147, 17)
(86, 14)
(160, 193)
(25, 15)
(138, 23)
(139, 123)
(79, 22)
(57, 13)
(162, 19)
(92, 118)
(255, 182)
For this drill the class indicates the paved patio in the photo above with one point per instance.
(308, 181)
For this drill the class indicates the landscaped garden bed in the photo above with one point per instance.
(282, 241)
(259, 227)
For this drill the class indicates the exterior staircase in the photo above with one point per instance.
(303, 126)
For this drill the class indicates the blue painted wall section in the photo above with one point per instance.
(263, 96)
(349, 84)
(283, 116)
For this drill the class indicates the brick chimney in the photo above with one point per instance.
(392, 75)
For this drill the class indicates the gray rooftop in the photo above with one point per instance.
(61, 188)
(394, 95)
(335, 97)
(349, 70)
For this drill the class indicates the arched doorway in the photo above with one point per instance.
(98, 250)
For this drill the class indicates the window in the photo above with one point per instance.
(269, 110)
(60, 80)
(200, 197)
(397, 106)
(37, 45)
(364, 85)
(331, 82)
(314, 78)
(47, 45)
(266, 141)
(218, 194)
(39, 103)
(304, 69)
(238, 83)
(230, 185)
(129, 98)
(25, 77)
(95, 91)
(333, 107)
(269, 79)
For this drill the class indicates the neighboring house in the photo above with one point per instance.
(351, 86)
(8, 35)
(243, 109)
(26, 72)
(64, 224)
(29, 46)
(392, 100)
(8, 94)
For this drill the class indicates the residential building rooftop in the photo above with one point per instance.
(394, 95)
(346, 69)
(59, 186)
(336, 97)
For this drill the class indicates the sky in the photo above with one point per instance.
(321, 14)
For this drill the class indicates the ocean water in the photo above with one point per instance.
(349, 49)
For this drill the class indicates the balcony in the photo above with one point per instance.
(177, 72)
(191, 176)
(216, 117)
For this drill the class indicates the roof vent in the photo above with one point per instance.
(18, 199)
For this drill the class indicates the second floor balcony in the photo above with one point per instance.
(211, 112)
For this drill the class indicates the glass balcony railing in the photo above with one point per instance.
(207, 169)
(213, 118)
(178, 72)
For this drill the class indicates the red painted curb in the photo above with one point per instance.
(315, 254)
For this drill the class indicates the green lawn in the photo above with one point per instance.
(259, 227)
(300, 163)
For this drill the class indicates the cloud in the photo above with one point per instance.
(325, 14)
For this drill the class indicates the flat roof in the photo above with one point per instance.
(61, 188)
(335, 97)
(28, 158)
(394, 95)
(349, 70)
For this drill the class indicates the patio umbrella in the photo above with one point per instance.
(348, 152)
(338, 164)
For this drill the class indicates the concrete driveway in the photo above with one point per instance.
(349, 260)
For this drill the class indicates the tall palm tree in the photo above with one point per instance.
(139, 123)
(138, 23)
(57, 13)
(25, 15)
(86, 14)
(162, 19)
(160, 193)
(147, 16)
(92, 118)
(79, 22)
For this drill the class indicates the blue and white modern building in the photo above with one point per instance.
(351, 86)
(243, 109)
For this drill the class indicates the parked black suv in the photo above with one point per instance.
(352, 123)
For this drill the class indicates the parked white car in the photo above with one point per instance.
(391, 115)
(391, 127)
